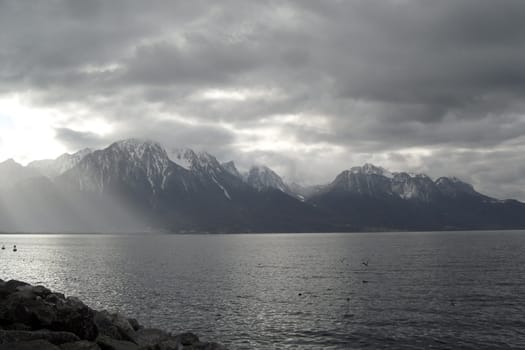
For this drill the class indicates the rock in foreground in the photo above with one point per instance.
(35, 318)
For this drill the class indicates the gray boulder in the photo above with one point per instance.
(18, 327)
(29, 345)
(80, 345)
(187, 338)
(134, 323)
(124, 327)
(10, 336)
(33, 317)
(149, 337)
(107, 343)
(9, 287)
(114, 326)
(74, 316)
(38, 308)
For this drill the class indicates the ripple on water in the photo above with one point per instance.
(425, 290)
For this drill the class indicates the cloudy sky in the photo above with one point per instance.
(307, 87)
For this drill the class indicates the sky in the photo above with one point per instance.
(309, 88)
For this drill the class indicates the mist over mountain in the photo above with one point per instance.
(137, 185)
(54, 167)
(11, 172)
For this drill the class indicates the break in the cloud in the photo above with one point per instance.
(307, 87)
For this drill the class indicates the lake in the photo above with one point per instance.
(438, 290)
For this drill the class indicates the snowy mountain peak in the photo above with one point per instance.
(195, 161)
(451, 179)
(366, 180)
(417, 175)
(138, 147)
(206, 160)
(147, 153)
(54, 167)
(375, 181)
(232, 169)
(143, 163)
(261, 177)
(413, 186)
(82, 153)
(141, 153)
(184, 157)
(370, 169)
(205, 166)
(452, 186)
(403, 176)
(69, 160)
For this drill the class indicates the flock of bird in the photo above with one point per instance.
(348, 314)
(364, 263)
(14, 248)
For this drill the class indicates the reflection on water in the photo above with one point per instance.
(308, 291)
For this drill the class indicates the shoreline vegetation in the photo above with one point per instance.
(35, 318)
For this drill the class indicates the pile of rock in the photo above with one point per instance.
(34, 318)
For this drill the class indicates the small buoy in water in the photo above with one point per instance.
(300, 294)
(365, 281)
(3, 247)
(14, 248)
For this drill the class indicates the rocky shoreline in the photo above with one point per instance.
(35, 318)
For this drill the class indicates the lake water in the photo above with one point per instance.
(452, 290)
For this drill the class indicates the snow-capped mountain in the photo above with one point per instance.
(136, 185)
(54, 167)
(226, 175)
(232, 169)
(414, 186)
(143, 166)
(198, 162)
(366, 180)
(374, 197)
(370, 169)
(187, 190)
(207, 168)
(454, 187)
(373, 181)
(261, 178)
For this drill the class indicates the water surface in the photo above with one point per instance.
(460, 290)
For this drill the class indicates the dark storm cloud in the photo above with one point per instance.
(201, 61)
(78, 139)
(177, 134)
(385, 77)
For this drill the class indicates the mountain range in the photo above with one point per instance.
(136, 185)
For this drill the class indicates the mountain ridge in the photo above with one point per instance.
(144, 187)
